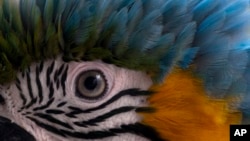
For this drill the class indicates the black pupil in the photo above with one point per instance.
(90, 83)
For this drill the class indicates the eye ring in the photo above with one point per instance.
(91, 85)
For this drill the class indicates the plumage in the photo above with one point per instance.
(83, 69)
(179, 95)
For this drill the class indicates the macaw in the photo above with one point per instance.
(123, 70)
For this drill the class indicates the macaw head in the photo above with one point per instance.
(84, 70)
(73, 70)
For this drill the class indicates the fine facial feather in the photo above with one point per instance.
(41, 110)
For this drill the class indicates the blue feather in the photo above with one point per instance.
(223, 58)
(188, 56)
(116, 23)
(206, 6)
(237, 7)
(175, 15)
(147, 32)
(135, 14)
(175, 53)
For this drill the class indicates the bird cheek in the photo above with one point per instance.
(126, 79)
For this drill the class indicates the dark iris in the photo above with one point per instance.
(91, 84)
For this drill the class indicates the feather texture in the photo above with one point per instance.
(223, 40)
(210, 37)
(184, 112)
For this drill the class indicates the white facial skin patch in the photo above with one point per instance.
(54, 100)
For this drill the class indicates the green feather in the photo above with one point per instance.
(125, 33)
(7, 73)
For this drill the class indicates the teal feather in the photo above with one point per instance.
(206, 6)
(176, 14)
(117, 24)
(223, 58)
(147, 32)
(187, 57)
(175, 53)
(134, 15)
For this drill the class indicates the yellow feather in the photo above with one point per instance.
(185, 113)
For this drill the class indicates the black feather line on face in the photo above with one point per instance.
(2, 100)
(48, 113)
(129, 92)
(105, 116)
(136, 128)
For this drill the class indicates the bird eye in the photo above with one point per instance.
(91, 85)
